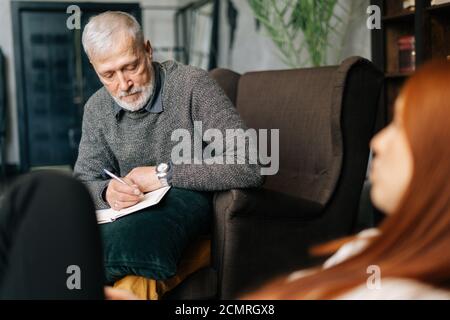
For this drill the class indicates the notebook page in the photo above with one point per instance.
(150, 199)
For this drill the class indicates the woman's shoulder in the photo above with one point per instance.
(358, 244)
(352, 248)
(397, 289)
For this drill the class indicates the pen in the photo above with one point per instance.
(112, 175)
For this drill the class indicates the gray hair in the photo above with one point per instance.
(100, 32)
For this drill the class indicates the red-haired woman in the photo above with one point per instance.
(410, 176)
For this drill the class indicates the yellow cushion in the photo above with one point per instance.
(195, 257)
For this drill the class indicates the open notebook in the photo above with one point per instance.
(150, 199)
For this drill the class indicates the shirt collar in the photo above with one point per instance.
(155, 104)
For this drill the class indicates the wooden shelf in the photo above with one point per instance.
(430, 26)
(398, 75)
(403, 16)
(439, 8)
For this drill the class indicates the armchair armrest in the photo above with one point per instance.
(264, 203)
(258, 233)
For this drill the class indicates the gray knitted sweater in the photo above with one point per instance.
(137, 139)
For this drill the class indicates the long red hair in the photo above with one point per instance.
(415, 239)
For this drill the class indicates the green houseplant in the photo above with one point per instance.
(312, 25)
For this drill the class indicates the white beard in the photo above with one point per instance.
(144, 92)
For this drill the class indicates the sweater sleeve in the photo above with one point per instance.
(235, 165)
(93, 155)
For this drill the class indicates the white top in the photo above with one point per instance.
(397, 289)
(389, 288)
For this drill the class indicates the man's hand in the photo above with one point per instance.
(145, 178)
(120, 196)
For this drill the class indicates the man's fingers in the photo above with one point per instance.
(129, 180)
(119, 205)
(132, 183)
(125, 197)
(123, 188)
(121, 196)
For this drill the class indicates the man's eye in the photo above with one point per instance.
(131, 67)
(108, 75)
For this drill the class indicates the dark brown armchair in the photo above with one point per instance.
(326, 118)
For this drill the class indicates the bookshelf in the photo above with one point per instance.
(430, 25)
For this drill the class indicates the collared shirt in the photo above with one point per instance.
(154, 104)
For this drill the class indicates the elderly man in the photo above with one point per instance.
(127, 129)
(127, 124)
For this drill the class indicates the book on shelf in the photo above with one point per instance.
(409, 5)
(438, 2)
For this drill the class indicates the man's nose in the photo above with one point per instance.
(124, 83)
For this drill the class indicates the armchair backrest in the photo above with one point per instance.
(326, 118)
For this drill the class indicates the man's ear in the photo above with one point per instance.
(149, 49)
(93, 66)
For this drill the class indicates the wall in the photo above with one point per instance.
(6, 44)
(254, 50)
